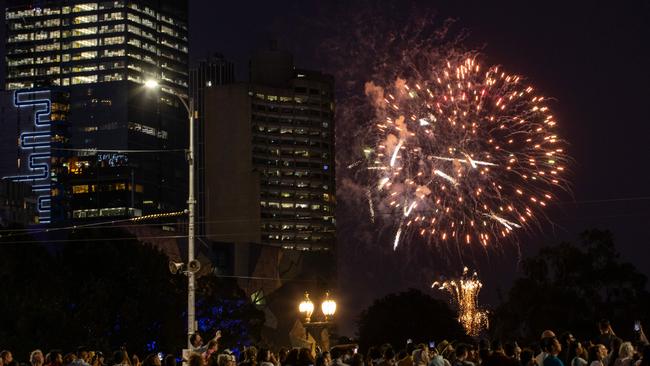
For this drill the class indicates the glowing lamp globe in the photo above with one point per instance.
(328, 306)
(306, 307)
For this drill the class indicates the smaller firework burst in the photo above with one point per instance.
(464, 291)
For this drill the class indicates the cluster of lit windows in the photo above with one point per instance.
(148, 130)
(85, 19)
(114, 28)
(33, 36)
(84, 7)
(106, 212)
(291, 153)
(109, 41)
(39, 24)
(31, 12)
(292, 137)
(90, 188)
(111, 5)
(294, 205)
(140, 32)
(30, 36)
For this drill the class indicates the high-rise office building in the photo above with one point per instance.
(101, 52)
(269, 173)
(208, 72)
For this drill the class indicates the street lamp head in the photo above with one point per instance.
(151, 84)
(328, 306)
(306, 307)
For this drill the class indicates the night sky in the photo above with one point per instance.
(593, 57)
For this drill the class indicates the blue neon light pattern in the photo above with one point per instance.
(37, 145)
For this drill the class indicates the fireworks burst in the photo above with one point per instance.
(464, 292)
(465, 154)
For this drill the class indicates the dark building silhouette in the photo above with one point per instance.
(17, 204)
(208, 72)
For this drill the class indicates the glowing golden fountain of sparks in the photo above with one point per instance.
(464, 291)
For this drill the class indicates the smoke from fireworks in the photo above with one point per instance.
(464, 153)
(464, 291)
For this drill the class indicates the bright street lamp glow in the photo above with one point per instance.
(151, 84)
(307, 307)
(328, 306)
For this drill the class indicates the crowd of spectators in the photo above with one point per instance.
(605, 350)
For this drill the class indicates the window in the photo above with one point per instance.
(84, 31)
(84, 79)
(111, 65)
(115, 28)
(114, 53)
(85, 19)
(80, 189)
(113, 77)
(20, 37)
(113, 40)
(84, 68)
(85, 43)
(84, 7)
(87, 55)
(112, 16)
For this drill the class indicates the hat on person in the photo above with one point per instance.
(442, 346)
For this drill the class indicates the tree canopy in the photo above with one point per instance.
(407, 315)
(93, 291)
(570, 287)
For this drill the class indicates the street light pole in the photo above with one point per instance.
(191, 204)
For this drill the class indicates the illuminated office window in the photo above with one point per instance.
(85, 19)
(87, 55)
(48, 70)
(84, 79)
(84, 68)
(21, 37)
(135, 67)
(19, 85)
(47, 47)
(39, 36)
(113, 77)
(112, 16)
(115, 28)
(132, 17)
(114, 53)
(110, 4)
(84, 31)
(148, 23)
(21, 73)
(85, 43)
(20, 61)
(84, 7)
(113, 40)
(111, 65)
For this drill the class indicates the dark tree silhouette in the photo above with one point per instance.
(571, 287)
(407, 315)
(93, 290)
